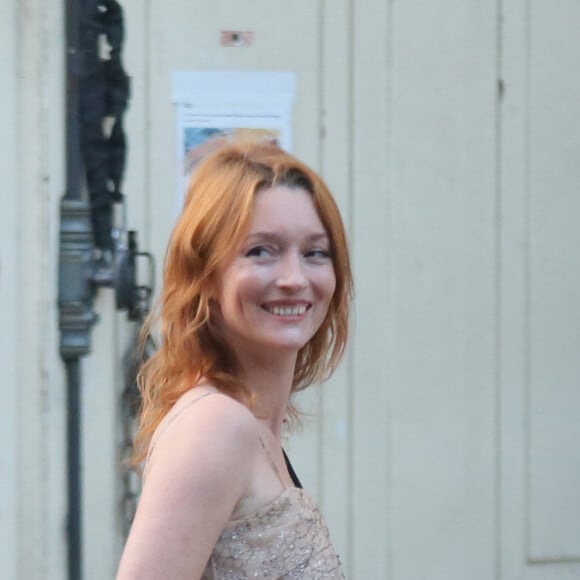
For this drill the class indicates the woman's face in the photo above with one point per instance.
(275, 292)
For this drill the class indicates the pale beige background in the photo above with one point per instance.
(446, 447)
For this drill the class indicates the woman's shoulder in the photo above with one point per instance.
(204, 418)
(199, 468)
(206, 404)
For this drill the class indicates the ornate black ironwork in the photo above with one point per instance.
(104, 94)
(95, 249)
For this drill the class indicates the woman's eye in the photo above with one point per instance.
(259, 252)
(318, 254)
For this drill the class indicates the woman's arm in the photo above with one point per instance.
(199, 470)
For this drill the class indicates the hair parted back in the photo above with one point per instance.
(214, 219)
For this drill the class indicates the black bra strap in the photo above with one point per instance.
(291, 471)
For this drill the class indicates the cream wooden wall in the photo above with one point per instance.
(32, 476)
(8, 294)
(446, 446)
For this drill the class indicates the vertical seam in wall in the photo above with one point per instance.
(19, 159)
(321, 132)
(9, 268)
(527, 273)
(147, 129)
(321, 87)
(43, 309)
(499, 90)
(351, 210)
(321, 135)
(389, 47)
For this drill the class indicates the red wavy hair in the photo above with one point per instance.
(213, 222)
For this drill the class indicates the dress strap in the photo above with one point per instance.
(272, 462)
(291, 471)
(169, 421)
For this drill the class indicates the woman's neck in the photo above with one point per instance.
(270, 382)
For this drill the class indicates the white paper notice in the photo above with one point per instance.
(214, 108)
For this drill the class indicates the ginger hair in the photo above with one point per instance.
(212, 224)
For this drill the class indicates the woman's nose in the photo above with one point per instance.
(291, 274)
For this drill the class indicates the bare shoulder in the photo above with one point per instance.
(199, 470)
(201, 423)
(211, 409)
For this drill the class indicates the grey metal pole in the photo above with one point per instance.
(76, 294)
(74, 519)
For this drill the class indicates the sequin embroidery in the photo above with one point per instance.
(286, 538)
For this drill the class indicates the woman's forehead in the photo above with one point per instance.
(282, 208)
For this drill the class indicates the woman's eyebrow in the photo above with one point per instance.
(318, 236)
(314, 237)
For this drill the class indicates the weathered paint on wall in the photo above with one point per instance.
(445, 446)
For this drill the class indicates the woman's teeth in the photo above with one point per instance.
(287, 310)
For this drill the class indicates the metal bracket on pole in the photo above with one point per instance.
(76, 289)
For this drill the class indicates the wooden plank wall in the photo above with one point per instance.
(32, 496)
(539, 281)
(445, 446)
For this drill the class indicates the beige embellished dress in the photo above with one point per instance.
(286, 538)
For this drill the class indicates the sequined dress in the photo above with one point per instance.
(286, 538)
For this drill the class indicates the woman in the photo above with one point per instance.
(254, 308)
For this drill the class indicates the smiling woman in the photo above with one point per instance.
(257, 288)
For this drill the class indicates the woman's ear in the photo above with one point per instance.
(212, 291)
(214, 307)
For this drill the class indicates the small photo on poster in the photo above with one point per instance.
(200, 141)
(201, 134)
